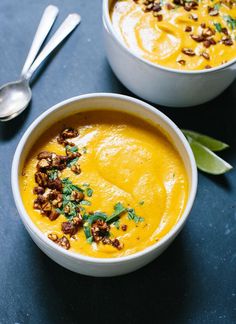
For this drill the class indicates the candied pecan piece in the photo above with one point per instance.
(99, 230)
(156, 7)
(188, 29)
(55, 184)
(225, 31)
(72, 227)
(38, 190)
(64, 242)
(212, 11)
(182, 62)
(124, 227)
(208, 32)
(56, 198)
(46, 207)
(41, 179)
(198, 38)
(159, 17)
(193, 17)
(227, 41)
(53, 215)
(77, 196)
(39, 202)
(59, 161)
(188, 51)
(205, 55)
(53, 237)
(76, 168)
(203, 25)
(69, 133)
(208, 67)
(117, 244)
(44, 155)
(207, 43)
(43, 164)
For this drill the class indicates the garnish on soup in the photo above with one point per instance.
(117, 197)
(180, 34)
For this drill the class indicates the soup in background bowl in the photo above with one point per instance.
(107, 187)
(179, 34)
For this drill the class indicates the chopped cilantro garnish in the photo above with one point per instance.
(218, 27)
(231, 22)
(217, 6)
(89, 192)
(72, 149)
(117, 224)
(72, 162)
(118, 210)
(52, 174)
(85, 202)
(141, 202)
(133, 216)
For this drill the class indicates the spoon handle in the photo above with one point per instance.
(46, 22)
(63, 31)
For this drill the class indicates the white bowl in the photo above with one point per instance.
(158, 84)
(75, 261)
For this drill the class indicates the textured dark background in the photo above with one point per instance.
(194, 281)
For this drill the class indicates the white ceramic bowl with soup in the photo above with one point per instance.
(98, 259)
(161, 84)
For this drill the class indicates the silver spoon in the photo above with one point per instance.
(15, 96)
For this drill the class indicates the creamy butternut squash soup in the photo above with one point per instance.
(104, 184)
(179, 34)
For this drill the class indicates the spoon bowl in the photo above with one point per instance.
(14, 98)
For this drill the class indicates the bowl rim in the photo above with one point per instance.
(26, 218)
(107, 23)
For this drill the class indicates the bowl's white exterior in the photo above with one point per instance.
(158, 84)
(74, 261)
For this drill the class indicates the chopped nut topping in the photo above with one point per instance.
(99, 230)
(208, 67)
(198, 38)
(77, 196)
(188, 29)
(227, 40)
(38, 190)
(188, 51)
(213, 11)
(53, 237)
(205, 55)
(41, 179)
(124, 227)
(182, 62)
(63, 242)
(193, 17)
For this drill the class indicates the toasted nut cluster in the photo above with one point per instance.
(63, 241)
(72, 227)
(99, 230)
(187, 5)
(66, 134)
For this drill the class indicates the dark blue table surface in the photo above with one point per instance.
(194, 281)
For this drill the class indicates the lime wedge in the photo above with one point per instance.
(209, 142)
(206, 160)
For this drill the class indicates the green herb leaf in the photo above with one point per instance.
(89, 192)
(217, 6)
(72, 149)
(141, 202)
(218, 27)
(118, 210)
(133, 216)
(52, 174)
(85, 202)
(72, 162)
(231, 22)
(117, 224)
(209, 142)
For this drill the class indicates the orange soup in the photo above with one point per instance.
(104, 184)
